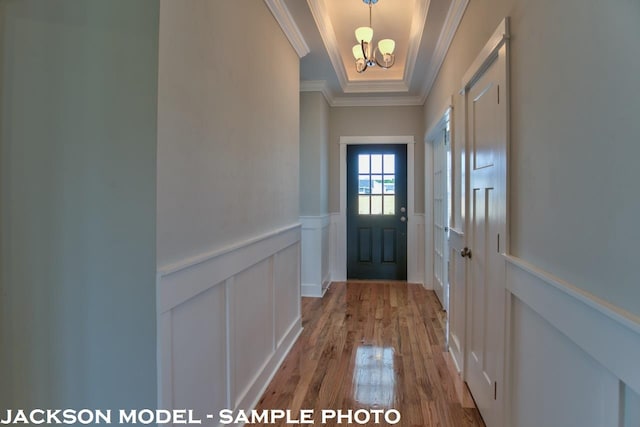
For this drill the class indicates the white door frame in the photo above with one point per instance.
(430, 138)
(412, 242)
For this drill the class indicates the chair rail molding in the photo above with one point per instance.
(211, 355)
(570, 347)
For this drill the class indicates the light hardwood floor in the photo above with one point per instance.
(373, 345)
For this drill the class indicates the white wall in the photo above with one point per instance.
(574, 96)
(77, 218)
(228, 203)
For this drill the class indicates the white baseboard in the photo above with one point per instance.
(312, 290)
(211, 355)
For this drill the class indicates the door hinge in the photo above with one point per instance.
(498, 94)
(498, 242)
(495, 390)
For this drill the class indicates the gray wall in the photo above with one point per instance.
(375, 121)
(77, 144)
(575, 131)
(228, 133)
(314, 154)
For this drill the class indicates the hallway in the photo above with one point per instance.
(372, 345)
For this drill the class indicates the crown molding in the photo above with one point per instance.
(378, 101)
(449, 28)
(317, 86)
(280, 11)
(352, 101)
(377, 86)
(415, 38)
(328, 35)
(313, 86)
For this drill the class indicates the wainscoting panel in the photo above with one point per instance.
(226, 320)
(198, 330)
(252, 320)
(573, 357)
(315, 255)
(287, 297)
(457, 298)
(551, 372)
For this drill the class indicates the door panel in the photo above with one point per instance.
(457, 299)
(486, 120)
(364, 244)
(389, 239)
(376, 212)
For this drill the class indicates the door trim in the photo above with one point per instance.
(428, 185)
(412, 242)
(429, 141)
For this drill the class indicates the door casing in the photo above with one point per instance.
(340, 266)
(434, 157)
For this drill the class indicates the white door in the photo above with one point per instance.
(441, 217)
(457, 299)
(486, 116)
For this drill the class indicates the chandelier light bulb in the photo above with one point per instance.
(386, 46)
(364, 34)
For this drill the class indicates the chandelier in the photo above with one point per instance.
(382, 55)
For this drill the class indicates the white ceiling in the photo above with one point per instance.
(322, 32)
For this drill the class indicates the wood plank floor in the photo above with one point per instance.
(373, 345)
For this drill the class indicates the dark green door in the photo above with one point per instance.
(377, 212)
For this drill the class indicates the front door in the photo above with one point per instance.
(486, 118)
(377, 212)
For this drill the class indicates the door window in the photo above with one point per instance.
(376, 184)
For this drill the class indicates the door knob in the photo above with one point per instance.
(403, 218)
(466, 252)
